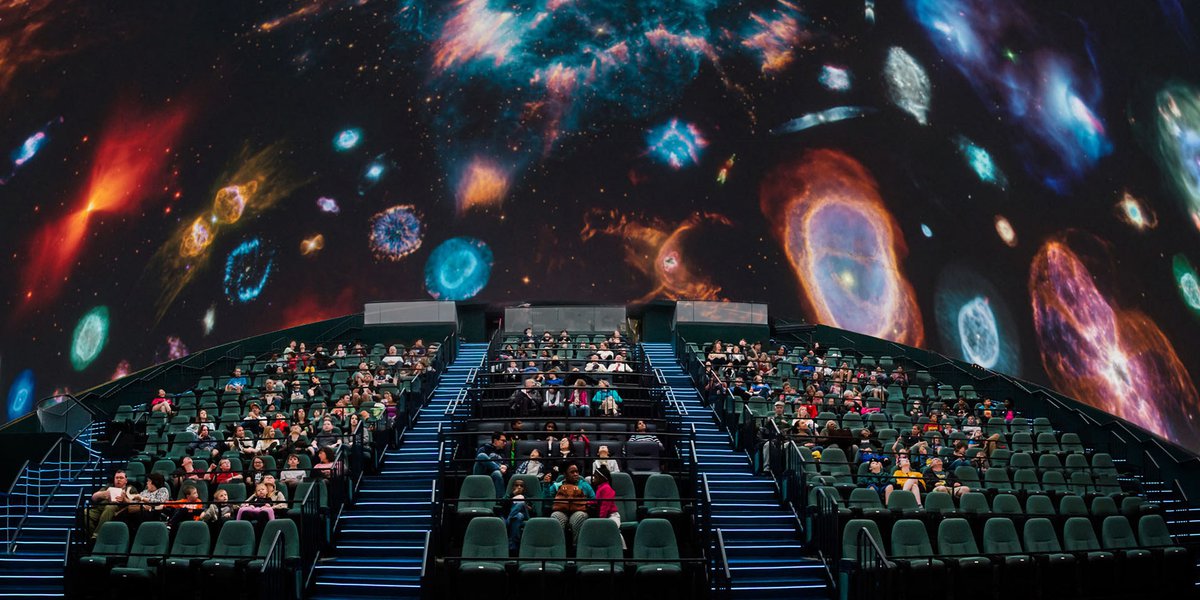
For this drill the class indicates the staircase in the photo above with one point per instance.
(766, 557)
(380, 541)
(34, 568)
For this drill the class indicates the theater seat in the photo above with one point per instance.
(234, 543)
(543, 546)
(661, 496)
(477, 497)
(655, 543)
(485, 546)
(911, 547)
(112, 540)
(151, 542)
(598, 550)
(192, 543)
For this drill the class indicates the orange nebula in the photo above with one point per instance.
(844, 246)
(654, 249)
(1115, 359)
(312, 245)
(196, 238)
(1005, 230)
(309, 308)
(775, 37)
(483, 184)
(476, 31)
(129, 164)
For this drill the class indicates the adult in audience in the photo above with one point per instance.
(205, 444)
(937, 479)
(877, 480)
(201, 420)
(326, 466)
(578, 404)
(571, 496)
(162, 403)
(236, 383)
(605, 460)
(525, 400)
(607, 399)
(908, 479)
(562, 457)
(641, 434)
(489, 460)
(107, 500)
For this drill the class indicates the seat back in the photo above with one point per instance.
(955, 538)
(1072, 506)
(477, 491)
(622, 484)
(1040, 536)
(1048, 442)
(1152, 531)
(290, 538)
(850, 536)
(152, 540)
(485, 539)
(1116, 533)
(193, 540)
(968, 476)
(1000, 537)
(543, 539)
(974, 503)
(864, 498)
(599, 543)
(1079, 536)
(902, 500)
(1006, 504)
(939, 502)
(833, 461)
(655, 540)
(643, 457)
(236, 540)
(909, 539)
(1039, 505)
(996, 478)
(112, 539)
(662, 494)
(1052, 481)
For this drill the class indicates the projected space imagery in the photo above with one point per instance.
(1008, 183)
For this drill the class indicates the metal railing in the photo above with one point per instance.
(36, 483)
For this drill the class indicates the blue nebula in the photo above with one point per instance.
(676, 144)
(396, 232)
(1049, 95)
(347, 139)
(458, 269)
(824, 117)
(973, 323)
(980, 161)
(20, 394)
(926, 231)
(373, 173)
(29, 149)
(247, 270)
(835, 78)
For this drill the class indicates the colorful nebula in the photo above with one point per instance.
(1187, 281)
(926, 231)
(482, 185)
(311, 245)
(328, 205)
(230, 201)
(29, 149)
(655, 248)
(210, 319)
(774, 36)
(908, 86)
(396, 232)
(981, 163)
(834, 78)
(91, 334)
(1051, 96)
(347, 139)
(130, 157)
(973, 322)
(175, 349)
(21, 394)
(1113, 358)
(829, 115)
(196, 238)
(247, 270)
(1176, 142)
(122, 370)
(676, 143)
(844, 246)
(1135, 213)
(458, 269)
(1005, 230)
(372, 174)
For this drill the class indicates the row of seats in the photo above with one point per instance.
(866, 502)
(1117, 562)
(660, 497)
(192, 556)
(544, 549)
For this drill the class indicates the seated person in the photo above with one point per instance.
(877, 480)
(162, 403)
(571, 496)
(236, 383)
(108, 500)
(608, 399)
(937, 479)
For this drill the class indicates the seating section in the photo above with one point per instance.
(303, 422)
(1014, 494)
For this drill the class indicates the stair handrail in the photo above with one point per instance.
(10, 532)
(726, 584)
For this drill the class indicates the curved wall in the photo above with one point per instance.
(1010, 183)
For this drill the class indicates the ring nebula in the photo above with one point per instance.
(844, 246)
(1115, 359)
